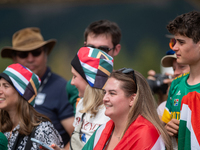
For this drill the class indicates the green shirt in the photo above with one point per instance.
(178, 89)
(3, 142)
(72, 92)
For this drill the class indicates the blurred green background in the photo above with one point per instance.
(142, 22)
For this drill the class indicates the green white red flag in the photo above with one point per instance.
(189, 127)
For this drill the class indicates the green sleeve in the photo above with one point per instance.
(72, 93)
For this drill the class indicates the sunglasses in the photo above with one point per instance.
(35, 53)
(103, 48)
(127, 71)
(172, 43)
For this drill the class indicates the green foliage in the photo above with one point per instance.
(4, 62)
(61, 57)
(146, 56)
(60, 62)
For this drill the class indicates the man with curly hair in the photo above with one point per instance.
(185, 90)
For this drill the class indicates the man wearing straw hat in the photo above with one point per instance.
(30, 49)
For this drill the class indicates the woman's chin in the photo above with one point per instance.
(108, 113)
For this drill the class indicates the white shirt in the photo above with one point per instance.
(90, 123)
(161, 108)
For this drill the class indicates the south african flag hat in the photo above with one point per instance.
(24, 81)
(94, 65)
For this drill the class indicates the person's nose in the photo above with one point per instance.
(175, 48)
(72, 81)
(106, 97)
(30, 57)
(1, 91)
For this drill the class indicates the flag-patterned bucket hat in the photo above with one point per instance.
(24, 81)
(94, 65)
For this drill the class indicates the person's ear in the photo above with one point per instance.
(84, 43)
(117, 50)
(132, 100)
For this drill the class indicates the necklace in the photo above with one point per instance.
(118, 137)
(107, 141)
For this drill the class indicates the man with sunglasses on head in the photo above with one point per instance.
(30, 49)
(104, 35)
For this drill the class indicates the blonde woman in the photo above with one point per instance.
(134, 121)
(90, 68)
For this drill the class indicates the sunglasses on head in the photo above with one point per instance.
(35, 53)
(127, 71)
(103, 48)
(172, 43)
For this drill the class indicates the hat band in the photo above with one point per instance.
(6, 77)
(26, 43)
(77, 66)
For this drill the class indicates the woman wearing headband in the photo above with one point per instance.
(90, 68)
(134, 121)
(19, 121)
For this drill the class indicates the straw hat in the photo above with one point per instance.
(27, 39)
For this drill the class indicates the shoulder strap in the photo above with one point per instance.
(82, 116)
(29, 142)
(81, 123)
(79, 131)
(17, 141)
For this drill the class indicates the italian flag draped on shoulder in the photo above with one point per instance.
(140, 135)
(189, 127)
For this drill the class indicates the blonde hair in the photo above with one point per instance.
(92, 99)
(144, 103)
(28, 118)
